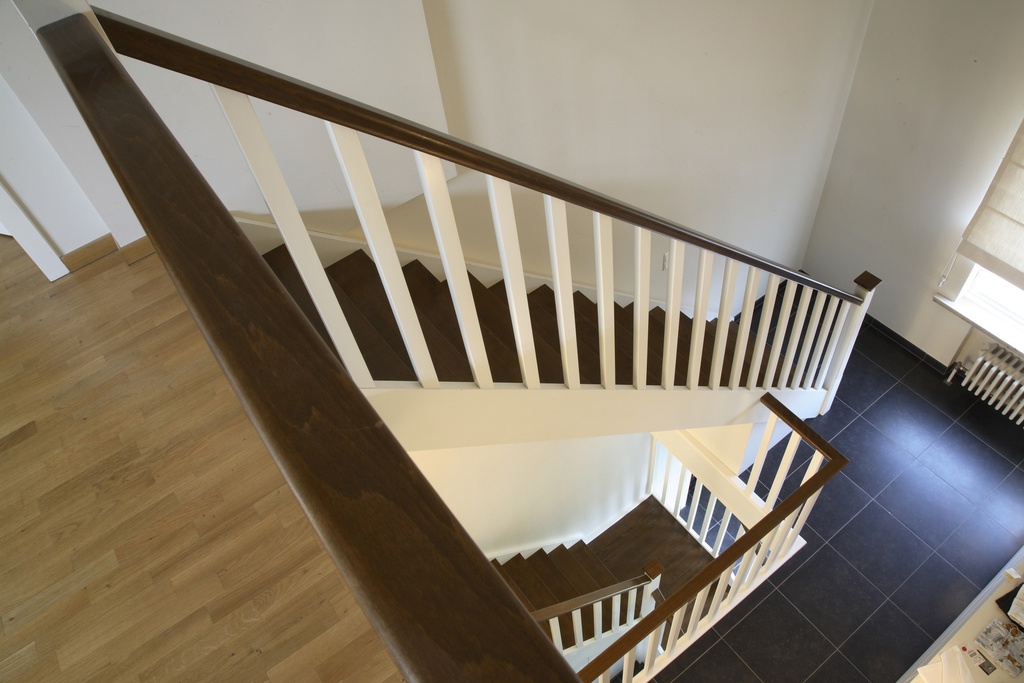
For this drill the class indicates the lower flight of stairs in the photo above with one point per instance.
(647, 532)
(366, 307)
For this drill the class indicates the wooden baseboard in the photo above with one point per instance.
(139, 249)
(92, 251)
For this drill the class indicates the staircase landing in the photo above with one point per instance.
(649, 532)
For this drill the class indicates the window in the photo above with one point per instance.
(994, 294)
(994, 239)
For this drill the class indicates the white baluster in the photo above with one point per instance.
(631, 607)
(712, 502)
(694, 503)
(627, 666)
(653, 644)
(739, 581)
(780, 474)
(761, 339)
(794, 532)
(684, 482)
(724, 318)
(442, 217)
(616, 613)
(605, 297)
(716, 602)
(674, 635)
(743, 335)
(866, 292)
(652, 465)
(723, 530)
(577, 627)
(556, 633)
(819, 346)
(795, 341)
(356, 170)
(561, 274)
(765, 550)
(813, 328)
(696, 615)
(669, 468)
(673, 301)
(762, 453)
(778, 539)
(833, 343)
(256, 148)
(641, 304)
(500, 195)
(812, 468)
(700, 318)
(598, 621)
(780, 333)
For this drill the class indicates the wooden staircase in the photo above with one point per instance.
(647, 532)
(365, 304)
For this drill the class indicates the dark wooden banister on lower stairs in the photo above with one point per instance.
(651, 570)
(441, 609)
(171, 52)
(664, 611)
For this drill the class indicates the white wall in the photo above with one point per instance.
(41, 182)
(938, 95)
(520, 496)
(720, 116)
(27, 70)
(378, 53)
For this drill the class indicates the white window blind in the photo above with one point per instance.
(994, 239)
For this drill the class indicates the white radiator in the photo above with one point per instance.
(998, 376)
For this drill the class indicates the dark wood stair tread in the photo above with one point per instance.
(532, 586)
(513, 585)
(436, 314)
(549, 358)
(649, 532)
(549, 573)
(357, 276)
(573, 571)
(383, 362)
(368, 311)
(544, 313)
(593, 565)
(280, 261)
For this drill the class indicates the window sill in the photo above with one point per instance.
(1008, 333)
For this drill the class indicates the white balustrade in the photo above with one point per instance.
(605, 297)
(351, 158)
(256, 149)
(442, 217)
(743, 334)
(641, 304)
(673, 301)
(781, 327)
(561, 275)
(795, 335)
(700, 318)
(500, 196)
(724, 318)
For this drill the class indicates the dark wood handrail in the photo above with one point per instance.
(177, 54)
(663, 612)
(651, 570)
(441, 609)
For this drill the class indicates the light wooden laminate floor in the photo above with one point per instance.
(145, 534)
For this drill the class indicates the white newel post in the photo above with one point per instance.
(866, 285)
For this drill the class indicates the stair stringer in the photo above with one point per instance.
(463, 415)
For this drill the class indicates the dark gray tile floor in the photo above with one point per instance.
(927, 513)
